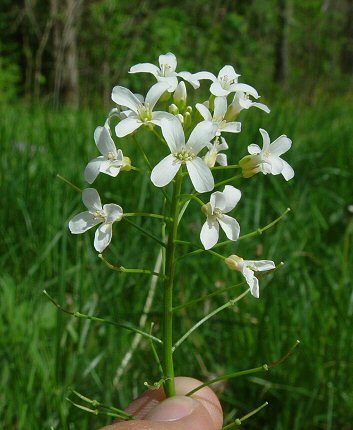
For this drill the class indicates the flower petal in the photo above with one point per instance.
(83, 222)
(276, 164)
(254, 149)
(127, 126)
(220, 108)
(222, 159)
(124, 97)
(209, 234)
(281, 145)
(217, 200)
(287, 171)
(230, 226)
(113, 212)
(92, 169)
(155, 92)
(228, 71)
(103, 236)
(251, 280)
(265, 138)
(104, 141)
(91, 199)
(260, 265)
(173, 133)
(247, 89)
(262, 107)
(165, 170)
(200, 175)
(232, 127)
(201, 135)
(232, 196)
(204, 112)
(145, 68)
(217, 90)
(168, 59)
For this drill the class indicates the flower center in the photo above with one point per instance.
(111, 156)
(165, 69)
(99, 215)
(184, 155)
(145, 112)
(218, 213)
(267, 153)
(226, 82)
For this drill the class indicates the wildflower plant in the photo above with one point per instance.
(189, 140)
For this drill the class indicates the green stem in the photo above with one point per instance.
(193, 197)
(125, 325)
(128, 270)
(208, 316)
(145, 232)
(70, 184)
(239, 421)
(227, 181)
(150, 215)
(168, 289)
(263, 368)
(231, 166)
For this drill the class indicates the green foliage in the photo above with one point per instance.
(43, 352)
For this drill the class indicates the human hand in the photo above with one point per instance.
(201, 411)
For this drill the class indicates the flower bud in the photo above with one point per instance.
(127, 164)
(173, 109)
(187, 120)
(180, 95)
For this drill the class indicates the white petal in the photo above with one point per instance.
(220, 107)
(127, 126)
(104, 141)
(158, 115)
(202, 134)
(254, 149)
(281, 145)
(232, 127)
(200, 175)
(222, 159)
(188, 77)
(113, 212)
(103, 236)
(92, 169)
(169, 59)
(209, 234)
(155, 92)
(165, 171)
(124, 97)
(262, 107)
(229, 72)
(232, 196)
(111, 170)
(244, 88)
(91, 199)
(255, 290)
(217, 200)
(265, 138)
(261, 265)
(204, 112)
(83, 222)
(276, 165)
(145, 68)
(217, 90)
(171, 82)
(230, 227)
(173, 133)
(203, 75)
(250, 278)
(287, 171)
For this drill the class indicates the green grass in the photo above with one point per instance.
(43, 352)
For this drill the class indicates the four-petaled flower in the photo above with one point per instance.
(97, 214)
(267, 160)
(164, 73)
(141, 112)
(220, 203)
(241, 100)
(220, 109)
(185, 153)
(247, 268)
(110, 162)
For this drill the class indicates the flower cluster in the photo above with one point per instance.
(196, 142)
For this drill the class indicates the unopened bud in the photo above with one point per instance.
(173, 109)
(250, 165)
(233, 262)
(180, 95)
(127, 164)
(187, 120)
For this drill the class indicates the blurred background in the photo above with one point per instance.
(58, 63)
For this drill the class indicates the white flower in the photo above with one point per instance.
(247, 268)
(242, 101)
(141, 112)
(220, 109)
(185, 153)
(213, 155)
(220, 204)
(268, 158)
(110, 162)
(222, 85)
(96, 214)
(164, 73)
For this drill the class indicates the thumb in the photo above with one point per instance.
(202, 411)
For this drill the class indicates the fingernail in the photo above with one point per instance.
(172, 409)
